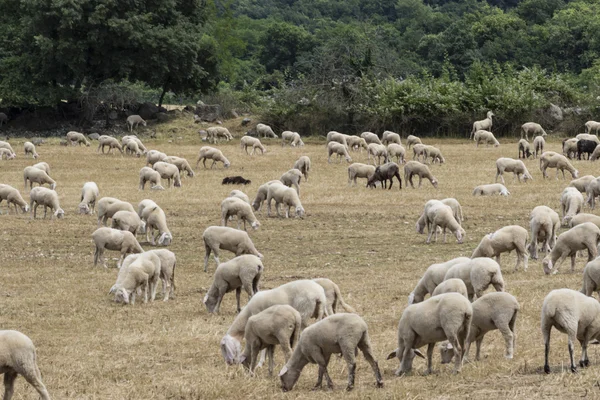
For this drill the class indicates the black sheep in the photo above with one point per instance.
(585, 146)
(383, 173)
(235, 180)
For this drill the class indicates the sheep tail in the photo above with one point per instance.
(173, 276)
(339, 297)
(257, 279)
(294, 338)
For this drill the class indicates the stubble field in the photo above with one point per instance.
(364, 240)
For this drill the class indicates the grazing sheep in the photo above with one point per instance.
(224, 238)
(146, 203)
(154, 156)
(533, 129)
(12, 196)
(423, 222)
(420, 152)
(378, 151)
(506, 239)
(572, 313)
(478, 274)
(242, 210)
(133, 138)
(30, 149)
(571, 203)
(35, 175)
(484, 124)
(169, 172)
(249, 141)
(412, 140)
(7, 154)
(517, 167)
(524, 149)
(486, 137)
(538, 145)
(286, 196)
(390, 137)
(128, 221)
(591, 278)
(109, 141)
(453, 285)
(138, 273)
(582, 217)
(89, 195)
(262, 193)
(108, 206)
(544, 223)
(114, 239)
(435, 154)
(241, 272)
(210, 153)
(585, 136)
(292, 137)
(490, 190)
(265, 131)
(596, 154)
(593, 190)
(155, 218)
(383, 173)
(412, 168)
(443, 317)
(569, 147)
(358, 170)
(356, 143)
(442, 215)
(337, 137)
(370, 137)
(77, 138)
(6, 145)
(433, 276)
(214, 133)
(292, 178)
(582, 183)
(132, 148)
(303, 164)
(456, 209)
(41, 196)
(396, 150)
(581, 237)
(148, 174)
(133, 121)
(240, 195)
(18, 357)
(333, 295)
(182, 164)
(43, 166)
(587, 147)
(340, 150)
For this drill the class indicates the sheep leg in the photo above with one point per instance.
(365, 346)
(420, 180)
(207, 248)
(572, 336)
(433, 228)
(46, 212)
(430, 348)
(33, 376)
(270, 354)
(238, 293)
(348, 354)
(508, 340)
(457, 353)
(573, 262)
(263, 355)
(584, 361)
(35, 210)
(9, 384)
(323, 361)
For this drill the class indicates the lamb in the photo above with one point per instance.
(224, 238)
(156, 219)
(533, 129)
(210, 153)
(538, 145)
(544, 223)
(305, 296)
(114, 239)
(524, 149)
(596, 154)
(128, 221)
(240, 272)
(383, 173)
(435, 154)
(582, 183)
(585, 136)
(443, 317)
(453, 285)
(141, 272)
(581, 237)
(359, 170)
(303, 164)
(249, 141)
(240, 195)
(571, 203)
(569, 147)
(433, 276)
(356, 143)
(109, 141)
(517, 167)
(133, 121)
(593, 190)
(148, 174)
(35, 175)
(412, 140)
(370, 137)
(277, 325)
(265, 131)
(486, 137)
(30, 149)
(234, 206)
(490, 190)
(390, 137)
(18, 357)
(7, 154)
(262, 193)
(379, 151)
(214, 133)
(484, 124)
(77, 138)
(333, 295)
(340, 150)
(592, 126)
(89, 195)
(572, 313)
(182, 164)
(396, 150)
(286, 196)
(581, 218)
(490, 312)
(506, 239)
(292, 137)
(585, 146)
(169, 172)
(420, 152)
(441, 215)
(108, 206)
(478, 274)
(412, 168)
(292, 178)
(154, 156)
(41, 196)
(12, 196)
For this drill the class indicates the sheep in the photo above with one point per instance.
(114, 239)
(377, 150)
(581, 237)
(168, 262)
(340, 150)
(182, 164)
(596, 154)
(154, 156)
(224, 238)
(210, 153)
(517, 167)
(575, 314)
(292, 178)
(593, 190)
(443, 317)
(265, 131)
(385, 172)
(138, 273)
(359, 170)
(544, 223)
(303, 164)
(108, 206)
(490, 190)
(234, 206)
(569, 147)
(582, 183)
(12, 196)
(484, 124)
(585, 136)
(356, 143)
(277, 325)
(7, 154)
(490, 312)
(134, 121)
(169, 172)
(240, 195)
(478, 274)
(286, 196)
(591, 278)
(77, 138)
(148, 174)
(486, 137)
(420, 152)
(533, 129)
(214, 133)
(412, 140)
(125, 140)
(396, 150)
(571, 203)
(262, 193)
(89, 195)
(128, 221)
(155, 218)
(456, 209)
(249, 141)
(582, 217)
(41, 196)
(6, 145)
(18, 357)
(30, 149)
(585, 146)
(146, 203)
(390, 137)
(337, 137)
(524, 149)
(240, 272)
(109, 141)
(370, 137)
(435, 154)
(433, 276)
(506, 239)
(132, 148)
(538, 146)
(441, 215)
(35, 175)
(235, 180)
(333, 295)
(305, 296)
(453, 285)
(292, 137)
(592, 126)
(412, 168)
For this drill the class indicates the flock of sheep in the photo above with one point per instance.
(457, 313)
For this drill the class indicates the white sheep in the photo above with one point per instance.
(139, 273)
(292, 178)
(593, 190)
(224, 238)
(303, 164)
(586, 136)
(111, 142)
(240, 272)
(478, 274)
(484, 124)
(453, 285)
(356, 143)
(168, 262)
(506, 239)
(550, 159)
(524, 149)
(571, 203)
(517, 167)
(582, 217)
(133, 148)
(370, 137)
(435, 154)
(35, 175)
(89, 195)
(569, 147)
(108, 206)
(340, 150)
(41, 196)
(293, 138)
(582, 183)
(116, 240)
(442, 215)
(30, 149)
(378, 151)
(128, 221)
(12, 196)
(433, 276)
(182, 164)
(359, 170)
(581, 237)
(77, 138)
(592, 126)
(265, 131)
(214, 133)
(412, 140)
(490, 190)
(133, 121)
(154, 156)
(533, 129)
(538, 145)
(210, 153)
(423, 221)
(333, 295)
(591, 278)
(6, 154)
(286, 196)
(249, 141)
(148, 174)
(18, 357)
(334, 136)
(388, 137)
(262, 193)
(146, 203)
(413, 168)
(486, 137)
(544, 223)
(595, 154)
(133, 138)
(420, 152)
(155, 218)
(396, 150)
(169, 172)
(6, 145)
(241, 209)
(240, 195)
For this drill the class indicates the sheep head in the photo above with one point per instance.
(547, 265)
(84, 208)
(165, 239)
(121, 296)
(255, 225)
(300, 212)
(231, 349)
(434, 182)
(210, 303)
(446, 352)
(288, 377)
(60, 213)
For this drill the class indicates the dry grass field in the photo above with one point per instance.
(92, 348)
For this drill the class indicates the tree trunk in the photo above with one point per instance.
(165, 88)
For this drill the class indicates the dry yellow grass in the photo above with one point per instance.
(91, 348)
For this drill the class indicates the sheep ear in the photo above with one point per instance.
(283, 370)
(449, 346)
(594, 341)
(418, 353)
(205, 298)
(112, 289)
(393, 354)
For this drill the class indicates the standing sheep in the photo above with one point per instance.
(340, 150)
(139, 273)
(77, 138)
(35, 175)
(538, 146)
(12, 196)
(7, 154)
(581, 237)
(303, 164)
(571, 203)
(41, 196)
(286, 196)
(292, 178)
(133, 121)
(390, 137)
(592, 190)
(214, 133)
(355, 143)
(442, 215)
(169, 172)
(544, 223)
(517, 167)
(533, 129)
(524, 149)
(154, 156)
(484, 124)
(182, 164)
(592, 126)
(111, 142)
(128, 221)
(478, 274)
(262, 194)
(265, 131)
(396, 150)
(591, 278)
(413, 168)
(108, 206)
(113, 239)
(30, 149)
(148, 174)
(210, 153)
(433, 276)
(378, 151)
(551, 159)
(155, 218)
(242, 210)
(89, 195)
(383, 173)
(412, 140)
(569, 147)
(506, 239)
(292, 137)
(370, 137)
(359, 170)
(249, 141)
(223, 238)
(333, 295)
(582, 183)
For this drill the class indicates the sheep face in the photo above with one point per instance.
(547, 265)
(177, 182)
(121, 296)
(288, 378)
(210, 303)
(231, 350)
(434, 182)
(157, 187)
(255, 225)
(226, 164)
(446, 352)
(26, 208)
(60, 213)
(460, 234)
(575, 174)
(84, 209)
(142, 228)
(165, 239)
(300, 212)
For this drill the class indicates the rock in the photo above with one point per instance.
(246, 121)
(219, 122)
(200, 103)
(202, 133)
(93, 136)
(113, 115)
(209, 113)
(162, 117)
(189, 109)
(148, 110)
(234, 114)
(197, 119)
(555, 112)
